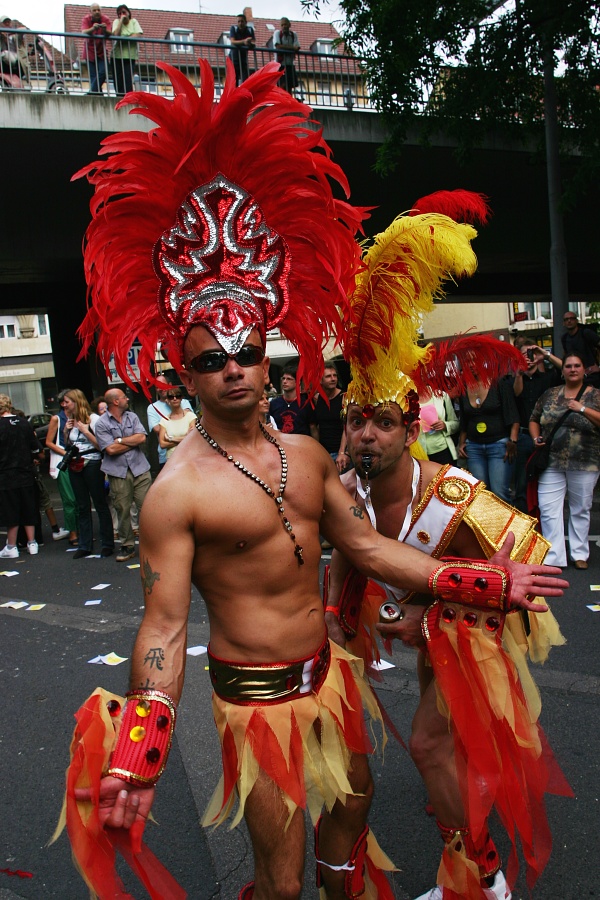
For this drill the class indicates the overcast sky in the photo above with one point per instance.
(47, 15)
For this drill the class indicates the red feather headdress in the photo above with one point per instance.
(460, 205)
(223, 215)
(403, 273)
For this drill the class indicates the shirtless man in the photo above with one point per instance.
(398, 486)
(200, 523)
(220, 266)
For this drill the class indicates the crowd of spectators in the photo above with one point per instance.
(497, 426)
(554, 401)
(110, 50)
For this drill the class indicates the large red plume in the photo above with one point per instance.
(258, 138)
(460, 205)
(455, 365)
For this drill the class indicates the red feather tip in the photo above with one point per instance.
(460, 205)
(455, 365)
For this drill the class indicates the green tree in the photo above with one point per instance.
(528, 67)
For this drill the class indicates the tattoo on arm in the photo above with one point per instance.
(155, 657)
(146, 685)
(357, 512)
(149, 578)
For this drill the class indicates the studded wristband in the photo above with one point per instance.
(144, 740)
(478, 584)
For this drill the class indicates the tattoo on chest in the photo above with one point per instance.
(149, 578)
(357, 512)
(155, 657)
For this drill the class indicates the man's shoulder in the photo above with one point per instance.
(160, 407)
(303, 446)
(132, 416)
(591, 335)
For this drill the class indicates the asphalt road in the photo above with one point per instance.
(45, 675)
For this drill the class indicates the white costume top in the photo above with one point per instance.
(431, 526)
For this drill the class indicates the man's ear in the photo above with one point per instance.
(266, 364)
(412, 432)
(188, 382)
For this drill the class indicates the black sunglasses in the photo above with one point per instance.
(174, 396)
(216, 360)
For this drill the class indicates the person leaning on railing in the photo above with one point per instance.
(13, 51)
(125, 52)
(96, 26)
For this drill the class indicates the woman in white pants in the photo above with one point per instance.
(574, 462)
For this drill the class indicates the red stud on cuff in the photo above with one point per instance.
(144, 741)
(478, 584)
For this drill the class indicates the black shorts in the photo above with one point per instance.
(18, 506)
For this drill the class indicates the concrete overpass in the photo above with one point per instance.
(46, 138)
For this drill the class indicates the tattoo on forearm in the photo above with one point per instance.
(358, 512)
(155, 657)
(149, 578)
(146, 685)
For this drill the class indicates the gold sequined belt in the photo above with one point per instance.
(256, 684)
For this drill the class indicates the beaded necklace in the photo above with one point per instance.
(278, 498)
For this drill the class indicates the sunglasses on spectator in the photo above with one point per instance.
(174, 396)
(216, 360)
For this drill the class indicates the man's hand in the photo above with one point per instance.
(528, 581)
(121, 804)
(341, 462)
(334, 629)
(407, 629)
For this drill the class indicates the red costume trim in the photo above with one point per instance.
(364, 875)
(94, 847)
(478, 584)
(502, 758)
(144, 741)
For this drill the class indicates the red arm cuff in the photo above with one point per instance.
(471, 583)
(144, 741)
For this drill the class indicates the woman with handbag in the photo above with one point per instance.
(55, 443)
(568, 417)
(87, 479)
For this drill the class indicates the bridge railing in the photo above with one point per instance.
(70, 63)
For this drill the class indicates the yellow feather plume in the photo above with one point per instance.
(402, 276)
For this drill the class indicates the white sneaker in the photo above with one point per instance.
(60, 535)
(498, 891)
(9, 552)
(32, 547)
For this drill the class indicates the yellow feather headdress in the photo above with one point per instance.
(401, 277)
